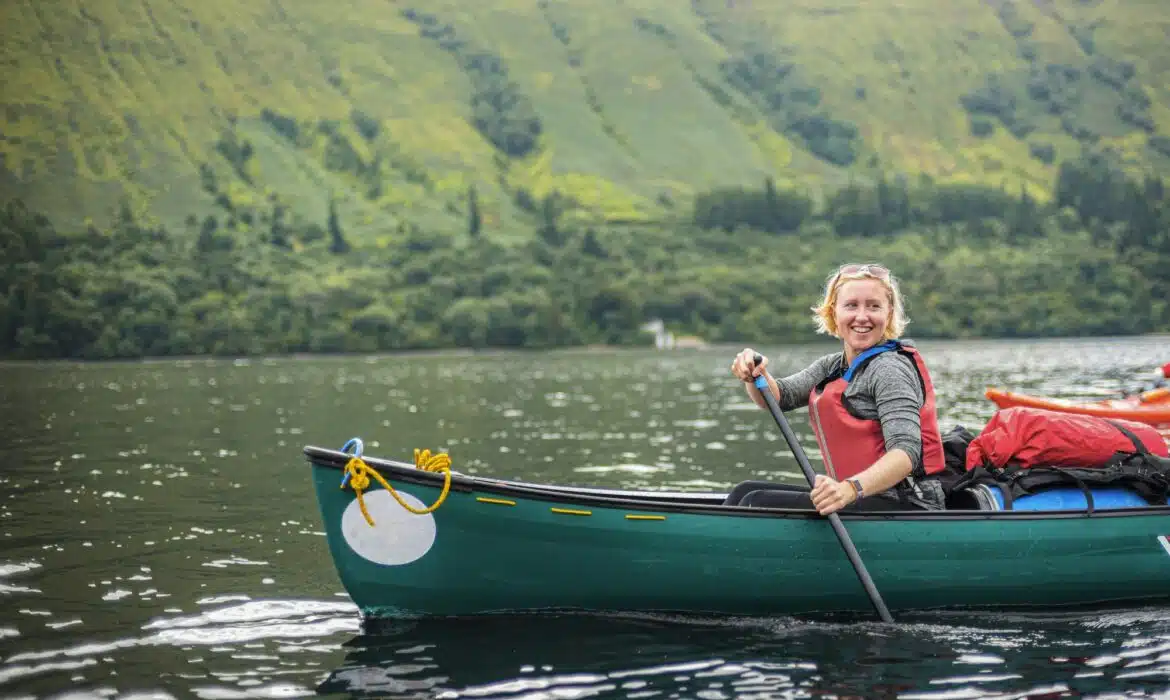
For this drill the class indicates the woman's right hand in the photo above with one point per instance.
(744, 365)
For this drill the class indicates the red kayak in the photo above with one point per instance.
(1152, 407)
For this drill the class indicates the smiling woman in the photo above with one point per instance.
(872, 405)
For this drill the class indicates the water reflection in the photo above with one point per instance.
(554, 656)
(922, 656)
(235, 643)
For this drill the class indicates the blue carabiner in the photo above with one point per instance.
(358, 448)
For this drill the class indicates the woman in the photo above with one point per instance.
(872, 405)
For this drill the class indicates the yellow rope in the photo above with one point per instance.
(359, 478)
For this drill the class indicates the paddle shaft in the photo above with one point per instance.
(834, 520)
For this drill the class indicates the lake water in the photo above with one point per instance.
(160, 537)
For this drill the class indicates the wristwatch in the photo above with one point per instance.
(857, 487)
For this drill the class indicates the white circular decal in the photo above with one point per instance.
(397, 535)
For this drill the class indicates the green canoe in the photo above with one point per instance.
(501, 546)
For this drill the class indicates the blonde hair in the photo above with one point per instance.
(826, 319)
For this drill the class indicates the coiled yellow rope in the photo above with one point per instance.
(359, 478)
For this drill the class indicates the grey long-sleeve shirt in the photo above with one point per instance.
(887, 390)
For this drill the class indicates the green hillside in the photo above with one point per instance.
(625, 107)
(357, 176)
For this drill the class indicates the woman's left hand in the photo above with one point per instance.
(829, 495)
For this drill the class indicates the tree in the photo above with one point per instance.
(474, 218)
(337, 242)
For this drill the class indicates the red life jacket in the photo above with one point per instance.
(849, 445)
(1034, 437)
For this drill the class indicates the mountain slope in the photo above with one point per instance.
(394, 110)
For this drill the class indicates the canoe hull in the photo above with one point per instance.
(499, 547)
(1156, 414)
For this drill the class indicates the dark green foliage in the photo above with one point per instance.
(525, 200)
(1101, 193)
(207, 178)
(975, 261)
(549, 229)
(654, 28)
(208, 241)
(1016, 25)
(561, 32)
(340, 155)
(474, 217)
(337, 242)
(1072, 94)
(500, 111)
(1074, 126)
(1134, 109)
(981, 126)
(792, 104)
(1056, 85)
(1083, 34)
(1112, 72)
(768, 209)
(591, 246)
(285, 126)
(994, 99)
(833, 140)
(999, 100)
(1161, 144)
(236, 152)
(329, 127)
(1025, 219)
(1043, 152)
(366, 125)
(869, 210)
(279, 230)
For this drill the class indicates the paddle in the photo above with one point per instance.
(834, 520)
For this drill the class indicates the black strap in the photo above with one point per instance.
(1012, 482)
(1137, 441)
(1064, 475)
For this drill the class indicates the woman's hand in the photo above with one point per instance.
(744, 365)
(829, 495)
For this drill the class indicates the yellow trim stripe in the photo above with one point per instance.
(569, 511)
(497, 501)
(645, 517)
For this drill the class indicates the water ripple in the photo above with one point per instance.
(161, 538)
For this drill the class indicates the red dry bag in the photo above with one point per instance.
(1034, 437)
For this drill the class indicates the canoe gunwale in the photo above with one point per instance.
(679, 502)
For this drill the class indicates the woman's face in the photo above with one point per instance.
(862, 313)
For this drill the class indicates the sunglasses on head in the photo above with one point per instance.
(872, 270)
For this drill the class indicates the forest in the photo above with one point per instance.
(744, 264)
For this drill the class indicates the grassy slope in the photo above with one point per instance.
(127, 98)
